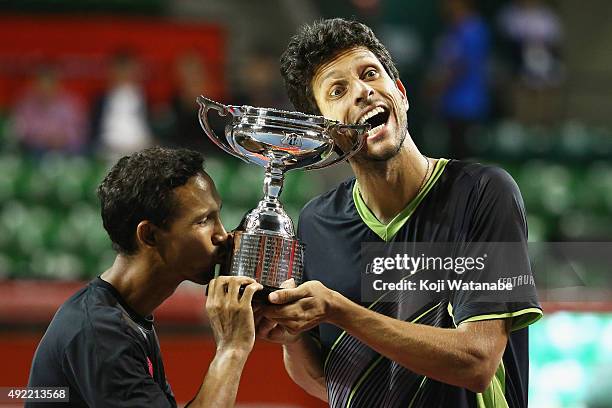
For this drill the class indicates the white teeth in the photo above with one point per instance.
(372, 132)
(371, 113)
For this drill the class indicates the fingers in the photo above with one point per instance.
(293, 311)
(283, 296)
(229, 286)
(233, 287)
(291, 327)
(249, 291)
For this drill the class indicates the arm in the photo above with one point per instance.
(220, 385)
(232, 322)
(303, 364)
(301, 353)
(466, 357)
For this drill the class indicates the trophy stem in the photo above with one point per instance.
(273, 183)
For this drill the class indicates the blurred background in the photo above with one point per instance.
(524, 84)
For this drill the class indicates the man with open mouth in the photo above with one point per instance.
(454, 349)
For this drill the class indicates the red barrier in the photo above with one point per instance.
(35, 302)
(80, 47)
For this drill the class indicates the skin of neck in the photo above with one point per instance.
(388, 186)
(141, 282)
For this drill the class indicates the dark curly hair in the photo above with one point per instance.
(139, 187)
(316, 44)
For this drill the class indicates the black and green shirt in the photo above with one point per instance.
(461, 202)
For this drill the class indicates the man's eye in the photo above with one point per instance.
(203, 221)
(371, 73)
(336, 91)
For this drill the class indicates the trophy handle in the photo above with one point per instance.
(208, 104)
(361, 134)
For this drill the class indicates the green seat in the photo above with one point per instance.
(221, 170)
(537, 227)
(11, 168)
(231, 216)
(104, 261)
(245, 188)
(5, 266)
(300, 187)
(60, 265)
(510, 140)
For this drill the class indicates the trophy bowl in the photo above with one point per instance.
(264, 246)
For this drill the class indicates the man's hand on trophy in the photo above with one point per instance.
(230, 314)
(301, 308)
(270, 330)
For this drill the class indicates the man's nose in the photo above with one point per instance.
(220, 235)
(364, 93)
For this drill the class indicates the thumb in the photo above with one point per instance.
(283, 296)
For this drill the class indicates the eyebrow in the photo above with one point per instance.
(336, 72)
(206, 213)
(329, 75)
(200, 215)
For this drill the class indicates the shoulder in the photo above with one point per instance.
(92, 313)
(83, 324)
(334, 202)
(481, 177)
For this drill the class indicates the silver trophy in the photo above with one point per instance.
(264, 246)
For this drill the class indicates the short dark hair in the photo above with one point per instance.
(317, 44)
(139, 187)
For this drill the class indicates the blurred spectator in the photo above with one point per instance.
(179, 125)
(47, 117)
(261, 84)
(534, 34)
(459, 84)
(120, 116)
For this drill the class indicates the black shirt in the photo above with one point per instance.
(104, 352)
(461, 202)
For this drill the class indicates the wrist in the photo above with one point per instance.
(293, 344)
(291, 339)
(232, 353)
(336, 308)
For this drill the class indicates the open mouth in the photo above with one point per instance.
(377, 118)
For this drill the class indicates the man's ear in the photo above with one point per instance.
(402, 90)
(146, 234)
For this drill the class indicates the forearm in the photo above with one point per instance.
(303, 362)
(220, 385)
(447, 355)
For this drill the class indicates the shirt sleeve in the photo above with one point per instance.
(498, 234)
(109, 368)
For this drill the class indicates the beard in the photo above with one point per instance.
(385, 155)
